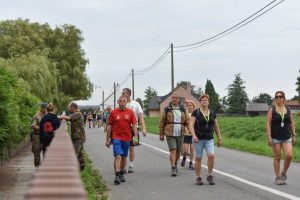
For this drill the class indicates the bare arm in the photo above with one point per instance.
(293, 130)
(269, 120)
(141, 119)
(162, 126)
(108, 136)
(217, 131)
(192, 123)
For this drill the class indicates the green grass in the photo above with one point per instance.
(93, 182)
(241, 133)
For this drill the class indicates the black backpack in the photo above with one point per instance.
(169, 108)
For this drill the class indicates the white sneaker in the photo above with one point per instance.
(130, 169)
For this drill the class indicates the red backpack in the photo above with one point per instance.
(48, 127)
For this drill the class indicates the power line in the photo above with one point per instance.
(231, 30)
(232, 27)
(124, 81)
(154, 64)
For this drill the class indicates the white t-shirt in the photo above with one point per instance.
(136, 108)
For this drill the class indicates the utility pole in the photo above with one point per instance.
(172, 68)
(103, 100)
(132, 73)
(114, 95)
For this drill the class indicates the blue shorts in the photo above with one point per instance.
(208, 145)
(120, 148)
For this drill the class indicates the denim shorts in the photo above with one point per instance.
(208, 145)
(120, 148)
(275, 141)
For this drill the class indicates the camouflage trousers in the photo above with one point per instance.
(78, 146)
(36, 149)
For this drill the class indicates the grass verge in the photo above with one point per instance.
(93, 182)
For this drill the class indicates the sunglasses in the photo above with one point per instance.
(278, 97)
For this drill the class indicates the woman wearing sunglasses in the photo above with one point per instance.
(281, 134)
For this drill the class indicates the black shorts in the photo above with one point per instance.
(188, 139)
(132, 135)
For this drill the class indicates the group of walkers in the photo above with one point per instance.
(46, 122)
(97, 118)
(190, 129)
(185, 127)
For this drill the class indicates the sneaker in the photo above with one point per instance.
(130, 169)
(183, 162)
(174, 172)
(210, 180)
(283, 176)
(199, 181)
(191, 167)
(279, 181)
(117, 180)
(122, 178)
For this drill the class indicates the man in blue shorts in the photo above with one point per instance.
(120, 122)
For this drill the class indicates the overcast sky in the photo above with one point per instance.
(124, 34)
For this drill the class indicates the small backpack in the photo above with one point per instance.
(48, 127)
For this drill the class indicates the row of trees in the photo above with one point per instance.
(235, 102)
(38, 63)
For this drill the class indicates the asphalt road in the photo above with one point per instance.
(238, 175)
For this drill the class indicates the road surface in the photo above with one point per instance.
(238, 175)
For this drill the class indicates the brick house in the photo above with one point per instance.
(293, 105)
(158, 103)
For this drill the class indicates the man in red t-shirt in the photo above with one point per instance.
(120, 122)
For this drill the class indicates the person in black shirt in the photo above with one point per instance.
(203, 126)
(281, 134)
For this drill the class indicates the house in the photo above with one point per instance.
(294, 105)
(158, 103)
(257, 109)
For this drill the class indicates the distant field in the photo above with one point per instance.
(241, 133)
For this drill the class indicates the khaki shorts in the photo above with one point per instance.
(175, 142)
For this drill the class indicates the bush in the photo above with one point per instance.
(17, 107)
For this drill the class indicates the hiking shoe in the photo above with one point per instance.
(210, 180)
(199, 181)
(183, 162)
(191, 167)
(130, 169)
(117, 180)
(174, 172)
(122, 178)
(279, 181)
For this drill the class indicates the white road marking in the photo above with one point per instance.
(262, 187)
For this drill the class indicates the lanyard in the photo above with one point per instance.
(281, 114)
(206, 118)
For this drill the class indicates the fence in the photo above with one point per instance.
(59, 176)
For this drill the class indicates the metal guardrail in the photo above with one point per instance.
(58, 177)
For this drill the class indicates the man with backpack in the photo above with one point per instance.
(173, 123)
(35, 136)
(48, 126)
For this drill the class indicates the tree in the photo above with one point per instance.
(149, 94)
(263, 98)
(140, 102)
(53, 53)
(237, 97)
(214, 101)
(298, 86)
